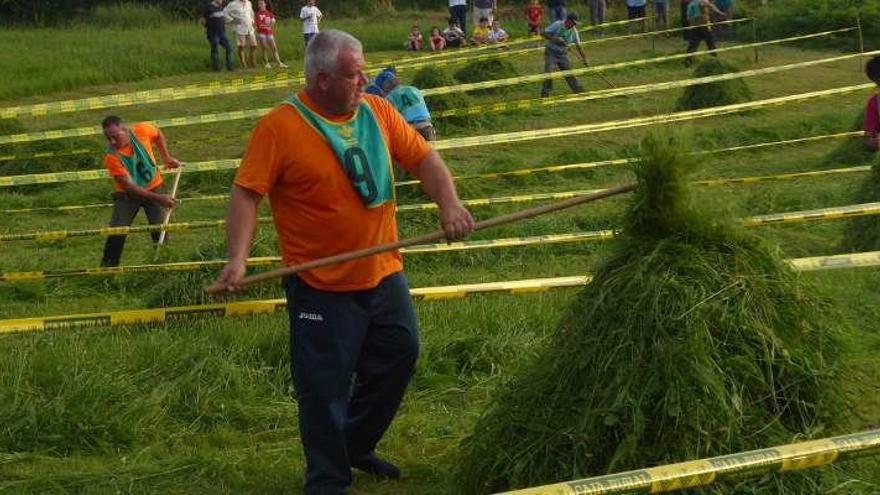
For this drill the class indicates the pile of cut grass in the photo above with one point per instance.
(714, 93)
(434, 77)
(693, 340)
(487, 70)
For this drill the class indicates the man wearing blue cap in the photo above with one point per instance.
(559, 35)
(408, 100)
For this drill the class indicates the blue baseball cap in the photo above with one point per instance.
(383, 77)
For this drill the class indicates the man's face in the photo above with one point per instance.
(345, 87)
(569, 24)
(117, 135)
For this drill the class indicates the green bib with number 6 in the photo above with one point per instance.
(360, 147)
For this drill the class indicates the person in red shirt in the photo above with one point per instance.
(266, 33)
(534, 13)
(132, 165)
(325, 159)
(872, 109)
(438, 42)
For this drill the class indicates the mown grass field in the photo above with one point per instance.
(204, 405)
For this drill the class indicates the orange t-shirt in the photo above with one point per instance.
(317, 211)
(146, 133)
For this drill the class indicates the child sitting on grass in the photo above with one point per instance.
(497, 34)
(480, 35)
(414, 42)
(438, 42)
(872, 109)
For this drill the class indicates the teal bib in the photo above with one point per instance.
(140, 166)
(361, 150)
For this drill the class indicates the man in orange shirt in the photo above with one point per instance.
(325, 160)
(132, 165)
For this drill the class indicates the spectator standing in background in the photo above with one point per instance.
(597, 12)
(636, 9)
(485, 8)
(241, 14)
(458, 11)
(215, 30)
(661, 14)
(557, 9)
(311, 16)
(266, 34)
(534, 14)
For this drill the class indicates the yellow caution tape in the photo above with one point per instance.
(856, 260)
(172, 122)
(245, 114)
(215, 88)
(232, 164)
(95, 174)
(619, 65)
(724, 464)
(693, 474)
(636, 89)
(811, 215)
(569, 131)
(836, 213)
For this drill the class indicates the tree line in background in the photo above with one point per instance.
(776, 18)
(54, 12)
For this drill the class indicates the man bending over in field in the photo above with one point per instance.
(872, 109)
(559, 36)
(132, 165)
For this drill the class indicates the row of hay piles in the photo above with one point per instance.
(693, 340)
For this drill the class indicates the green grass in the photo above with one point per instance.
(201, 406)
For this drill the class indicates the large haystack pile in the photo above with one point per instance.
(716, 93)
(693, 340)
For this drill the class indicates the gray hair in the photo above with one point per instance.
(322, 53)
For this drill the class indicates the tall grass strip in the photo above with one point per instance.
(479, 109)
(821, 214)
(692, 340)
(96, 174)
(229, 164)
(704, 472)
(801, 264)
(637, 89)
(856, 260)
(282, 81)
(614, 66)
(519, 136)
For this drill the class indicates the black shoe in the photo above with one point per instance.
(377, 467)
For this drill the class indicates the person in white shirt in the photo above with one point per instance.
(497, 34)
(458, 11)
(310, 16)
(241, 14)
